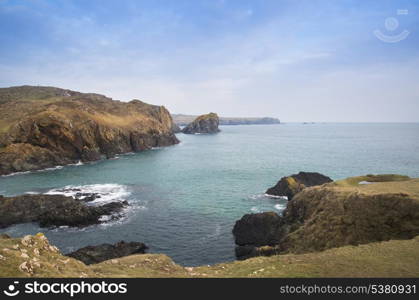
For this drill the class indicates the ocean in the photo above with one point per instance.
(185, 199)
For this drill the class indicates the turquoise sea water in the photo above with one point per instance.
(186, 198)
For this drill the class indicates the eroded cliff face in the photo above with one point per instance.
(334, 215)
(42, 127)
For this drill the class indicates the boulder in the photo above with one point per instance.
(203, 124)
(289, 186)
(255, 230)
(96, 254)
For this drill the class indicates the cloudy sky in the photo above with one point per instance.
(297, 60)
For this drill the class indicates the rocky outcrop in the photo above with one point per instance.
(96, 254)
(334, 215)
(54, 210)
(176, 128)
(255, 234)
(289, 186)
(203, 124)
(41, 127)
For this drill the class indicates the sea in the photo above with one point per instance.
(185, 199)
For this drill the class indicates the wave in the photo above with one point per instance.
(280, 206)
(108, 192)
(79, 163)
(276, 197)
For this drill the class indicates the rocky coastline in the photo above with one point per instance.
(55, 210)
(334, 215)
(43, 127)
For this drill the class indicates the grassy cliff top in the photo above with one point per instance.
(379, 184)
(206, 117)
(40, 102)
(33, 256)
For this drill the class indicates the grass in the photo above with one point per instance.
(354, 181)
(396, 258)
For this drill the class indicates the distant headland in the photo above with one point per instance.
(183, 120)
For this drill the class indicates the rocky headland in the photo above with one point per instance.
(42, 127)
(354, 211)
(205, 124)
(54, 210)
(290, 185)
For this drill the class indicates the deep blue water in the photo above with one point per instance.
(186, 198)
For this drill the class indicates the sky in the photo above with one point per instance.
(307, 60)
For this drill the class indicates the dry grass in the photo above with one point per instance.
(385, 259)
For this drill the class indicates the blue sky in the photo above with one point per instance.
(296, 60)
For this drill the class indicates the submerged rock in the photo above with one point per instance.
(53, 210)
(203, 124)
(334, 215)
(289, 186)
(96, 254)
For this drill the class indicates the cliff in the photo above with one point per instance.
(42, 127)
(203, 124)
(183, 120)
(354, 211)
(290, 185)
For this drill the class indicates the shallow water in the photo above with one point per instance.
(186, 198)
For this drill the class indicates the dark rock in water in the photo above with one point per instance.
(203, 124)
(96, 254)
(53, 210)
(87, 197)
(255, 230)
(291, 185)
(176, 128)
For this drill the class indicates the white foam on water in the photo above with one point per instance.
(79, 163)
(109, 192)
(276, 197)
(16, 173)
(31, 193)
(280, 206)
(255, 209)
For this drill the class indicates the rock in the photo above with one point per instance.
(87, 197)
(334, 215)
(203, 124)
(64, 127)
(53, 210)
(176, 128)
(96, 254)
(256, 230)
(291, 185)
